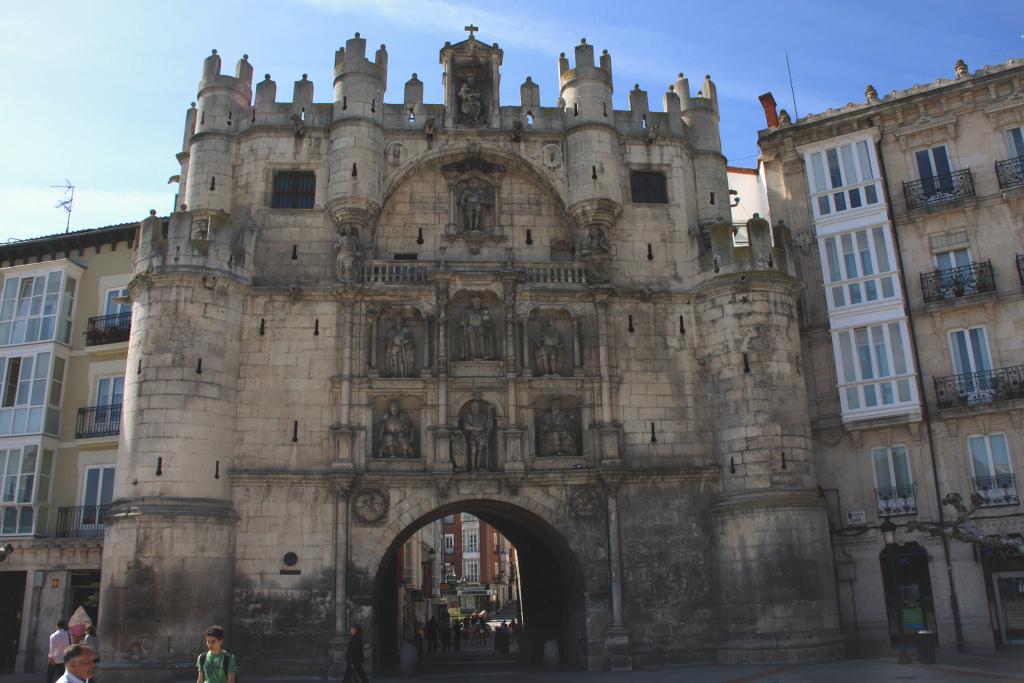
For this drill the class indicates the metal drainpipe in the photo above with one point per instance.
(953, 600)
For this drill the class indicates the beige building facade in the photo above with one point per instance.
(908, 213)
(64, 332)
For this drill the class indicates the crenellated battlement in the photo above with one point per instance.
(213, 242)
(766, 249)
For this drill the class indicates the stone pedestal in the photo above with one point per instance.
(616, 647)
(609, 437)
(514, 442)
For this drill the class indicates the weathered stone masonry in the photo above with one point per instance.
(474, 314)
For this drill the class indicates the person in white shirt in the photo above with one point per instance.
(60, 640)
(79, 662)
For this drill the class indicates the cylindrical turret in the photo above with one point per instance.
(356, 153)
(702, 119)
(171, 526)
(771, 526)
(224, 108)
(592, 144)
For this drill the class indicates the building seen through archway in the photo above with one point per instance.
(460, 566)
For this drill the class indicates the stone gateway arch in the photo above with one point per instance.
(391, 312)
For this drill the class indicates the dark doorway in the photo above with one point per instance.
(84, 592)
(908, 592)
(551, 583)
(12, 597)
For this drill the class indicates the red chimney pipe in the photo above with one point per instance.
(771, 115)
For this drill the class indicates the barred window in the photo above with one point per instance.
(293, 190)
(648, 187)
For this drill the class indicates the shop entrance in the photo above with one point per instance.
(12, 598)
(1009, 592)
(908, 591)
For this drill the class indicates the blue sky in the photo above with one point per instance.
(96, 91)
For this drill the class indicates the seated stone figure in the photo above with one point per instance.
(397, 434)
(555, 431)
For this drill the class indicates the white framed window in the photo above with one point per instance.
(954, 258)
(1015, 142)
(470, 540)
(972, 363)
(893, 481)
(468, 517)
(875, 369)
(843, 178)
(97, 492)
(449, 543)
(37, 308)
(24, 489)
(23, 388)
(110, 390)
(993, 469)
(111, 306)
(858, 267)
(471, 570)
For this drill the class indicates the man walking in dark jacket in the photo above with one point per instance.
(354, 656)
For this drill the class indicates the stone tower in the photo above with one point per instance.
(775, 580)
(172, 531)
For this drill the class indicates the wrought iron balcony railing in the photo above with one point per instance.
(96, 421)
(1010, 173)
(987, 386)
(939, 189)
(108, 329)
(998, 490)
(896, 500)
(1020, 267)
(83, 521)
(953, 283)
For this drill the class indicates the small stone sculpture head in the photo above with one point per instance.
(393, 408)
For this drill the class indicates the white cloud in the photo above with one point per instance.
(28, 211)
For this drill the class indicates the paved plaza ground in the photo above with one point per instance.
(1007, 665)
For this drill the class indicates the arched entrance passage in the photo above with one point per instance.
(552, 582)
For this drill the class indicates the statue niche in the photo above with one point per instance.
(396, 433)
(551, 338)
(349, 252)
(472, 447)
(475, 202)
(471, 106)
(476, 324)
(557, 430)
(399, 342)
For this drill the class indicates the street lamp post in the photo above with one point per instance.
(888, 530)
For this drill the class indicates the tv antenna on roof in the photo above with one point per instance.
(68, 202)
(792, 91)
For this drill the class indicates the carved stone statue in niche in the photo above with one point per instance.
(556, 434)
(476, 428)
(471, 107)
(397, 434)
(475, 197)
(349, 252)
(593, 240)
(399, 351)
(477, 332)
(548, 348)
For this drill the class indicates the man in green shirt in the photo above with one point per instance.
(216, 665)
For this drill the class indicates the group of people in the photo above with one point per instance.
(71, 660)
(448, 634)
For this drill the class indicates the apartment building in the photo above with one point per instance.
(908, 215)
(64, 329)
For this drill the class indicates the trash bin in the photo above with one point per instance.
(926, 644)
